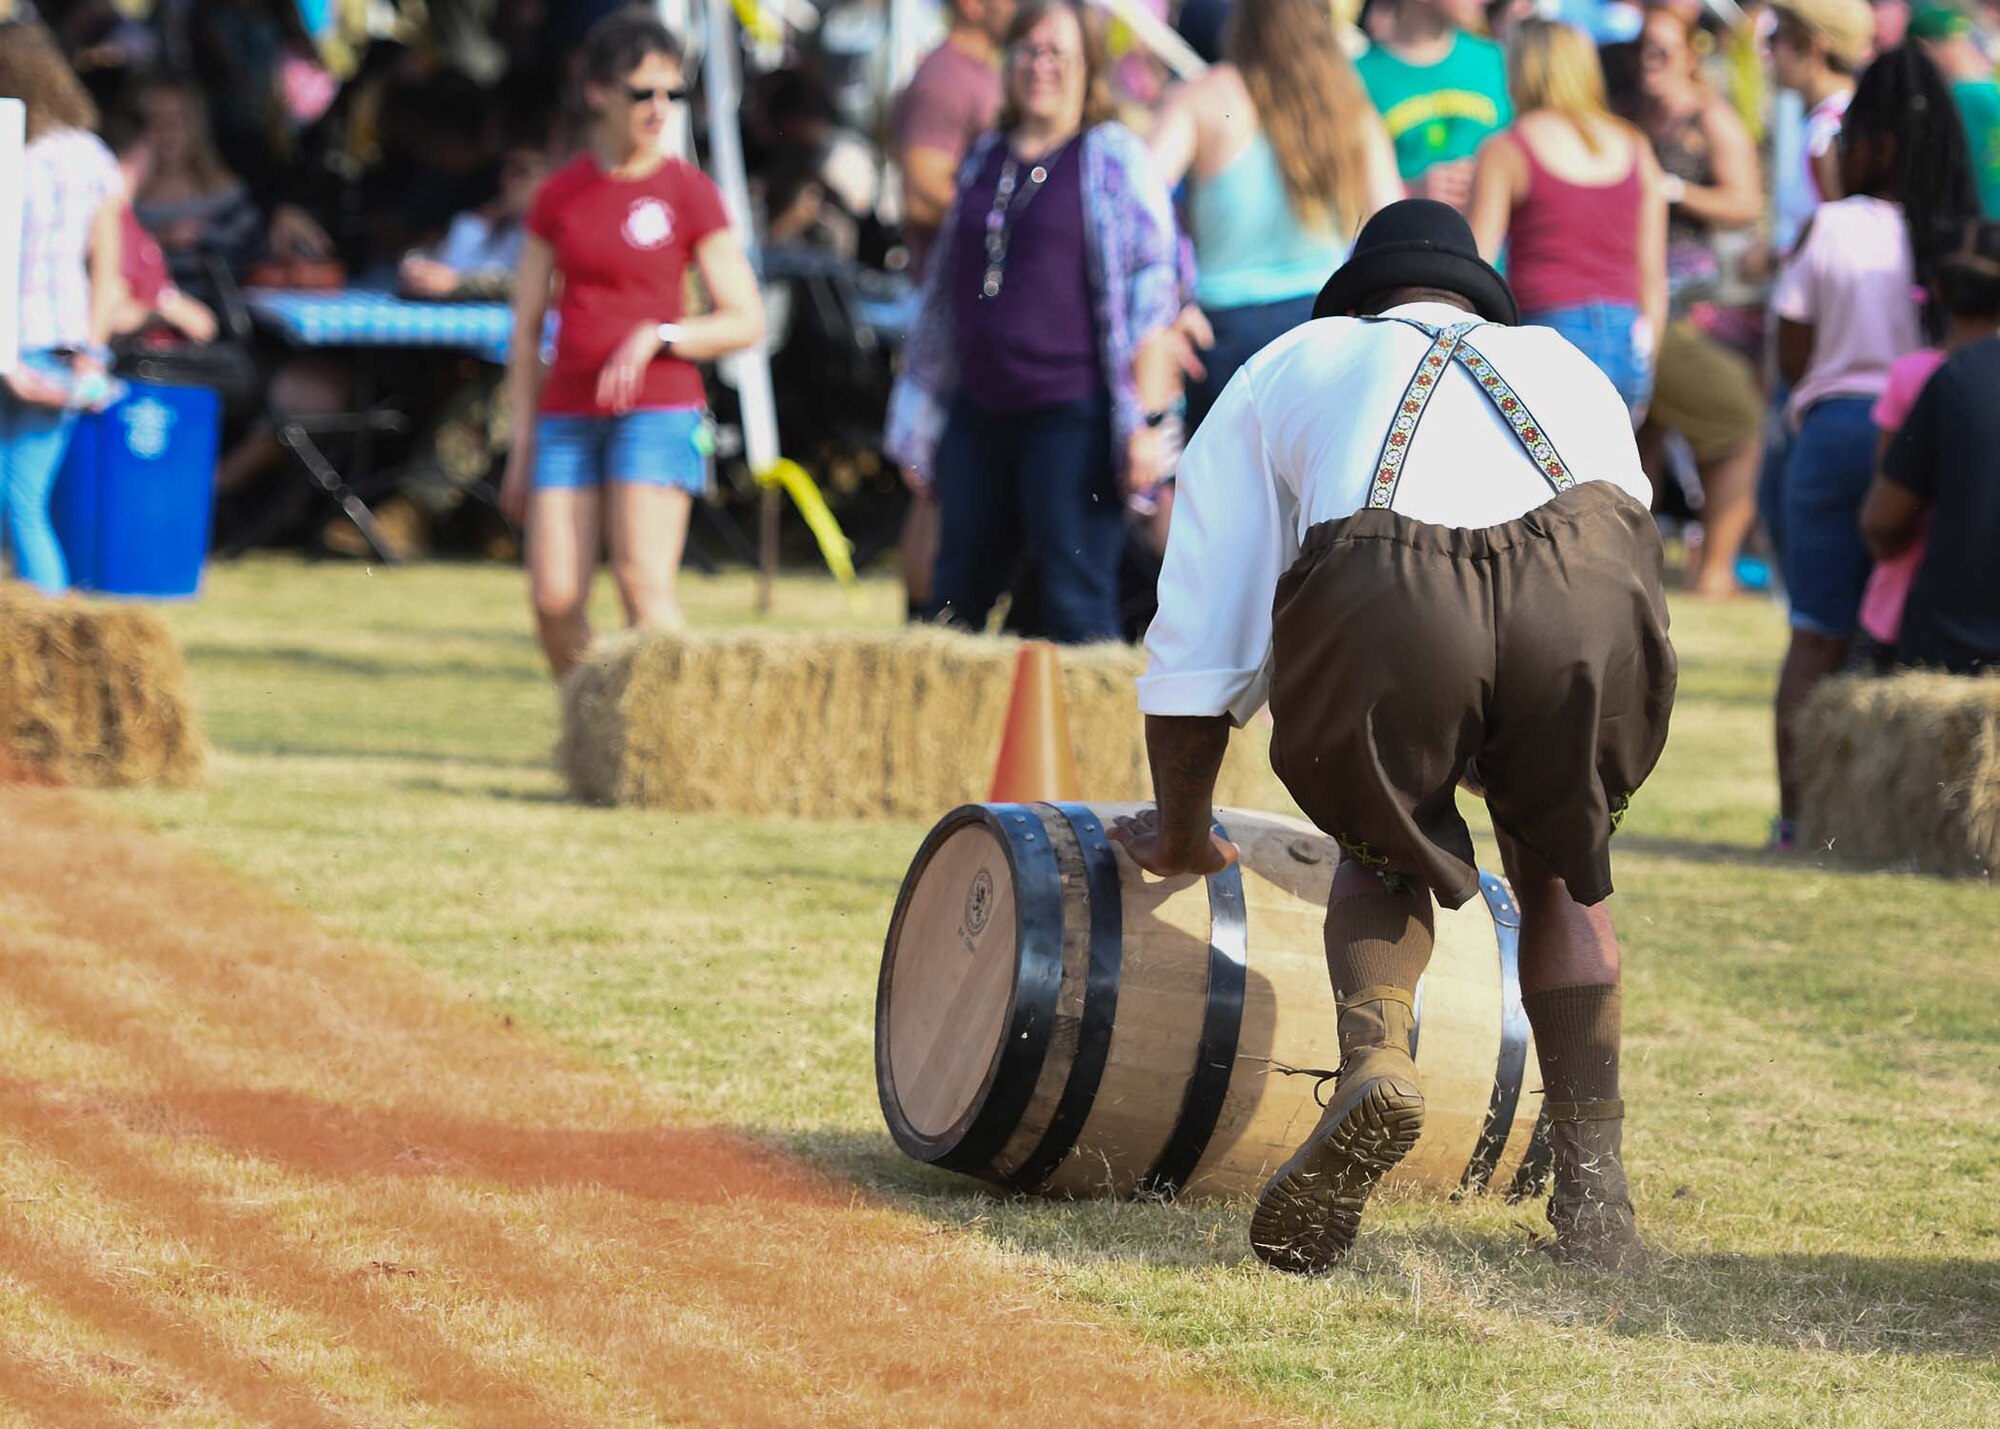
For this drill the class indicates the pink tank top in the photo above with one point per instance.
(1570, 244)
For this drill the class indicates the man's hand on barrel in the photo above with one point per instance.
(1158, 851)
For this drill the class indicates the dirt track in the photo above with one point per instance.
(251, 1172)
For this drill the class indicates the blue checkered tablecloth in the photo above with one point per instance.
(354, 318)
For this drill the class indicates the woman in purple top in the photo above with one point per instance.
(1041, 369)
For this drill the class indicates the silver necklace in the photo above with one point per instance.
(1000, 219)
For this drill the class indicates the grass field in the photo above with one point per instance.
(1811, 1055)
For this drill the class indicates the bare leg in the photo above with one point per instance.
(251, 457)
(302, 387)
(1729, 511)
(1563, 943)
(916, 552)
(1809, 659)
(648, 531)
(562, 557)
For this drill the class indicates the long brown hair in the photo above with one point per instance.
(1299, 77)
(34, 71)
(1554, 66)
(204, 164)
(1097, 103)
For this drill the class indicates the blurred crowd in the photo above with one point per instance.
(250, 152)
(1770, 232)
(1767, 224)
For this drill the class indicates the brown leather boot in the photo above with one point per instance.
(1591, 1206)
(1308, 1214)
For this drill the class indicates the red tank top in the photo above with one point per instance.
(1570, 244)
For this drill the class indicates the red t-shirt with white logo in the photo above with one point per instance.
(622, 247)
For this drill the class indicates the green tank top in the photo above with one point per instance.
(1249, 245)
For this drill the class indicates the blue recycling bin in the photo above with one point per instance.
(132, 503)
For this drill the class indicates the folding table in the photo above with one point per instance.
(368, 323)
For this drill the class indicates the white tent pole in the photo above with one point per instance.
(748, 372)
(13, 140)
(679, 20)
(903, 41)
(678, 17)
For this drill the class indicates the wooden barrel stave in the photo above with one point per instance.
(1064, 1108)
(1162, 998)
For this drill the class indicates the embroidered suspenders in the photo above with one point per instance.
(1448, 345)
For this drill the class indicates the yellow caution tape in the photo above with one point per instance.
(766, 29)
(834, 547)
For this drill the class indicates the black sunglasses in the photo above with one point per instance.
(639, 95)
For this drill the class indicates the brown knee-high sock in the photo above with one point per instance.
(1577, 1035)
(1378, 938)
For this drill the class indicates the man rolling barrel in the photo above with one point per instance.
(1422, 533)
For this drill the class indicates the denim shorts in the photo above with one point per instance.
(1613, 338)
(652, 446)
(1826, 561)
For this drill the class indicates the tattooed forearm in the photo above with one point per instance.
(1186, 754)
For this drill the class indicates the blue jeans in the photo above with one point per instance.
(32, 442)
(1240, 334)
(1040, 480)
(1607, 334)
(1825, 560)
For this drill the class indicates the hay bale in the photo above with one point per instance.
(1903, 772)
(898, 725)
(93, 694)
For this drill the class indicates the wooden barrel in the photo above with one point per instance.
(1052, 1019)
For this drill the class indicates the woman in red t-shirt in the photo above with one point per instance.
(613, 450)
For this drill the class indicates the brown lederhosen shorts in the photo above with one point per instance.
(1403, 652)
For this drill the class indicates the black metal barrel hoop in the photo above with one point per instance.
(1511, 1067)
(1105, 891)
(1221, 1026)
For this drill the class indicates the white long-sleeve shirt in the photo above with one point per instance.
(1294, 440)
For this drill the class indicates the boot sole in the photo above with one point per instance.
(1308, 1214)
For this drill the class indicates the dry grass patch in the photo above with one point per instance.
(1809, 1058)
(92, 694)
(268, 1173)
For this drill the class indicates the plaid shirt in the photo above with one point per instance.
(67, 176)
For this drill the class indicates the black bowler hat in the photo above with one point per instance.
(1417, 243)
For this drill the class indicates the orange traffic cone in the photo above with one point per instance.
(1036, 761)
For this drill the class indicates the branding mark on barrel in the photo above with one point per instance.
(978, 905)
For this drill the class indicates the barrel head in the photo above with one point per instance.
(948, 977)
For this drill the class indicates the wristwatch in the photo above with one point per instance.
(668, 333)
(1673, 189)
(1159, 419)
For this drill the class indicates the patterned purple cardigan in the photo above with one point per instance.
(1133, 261)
